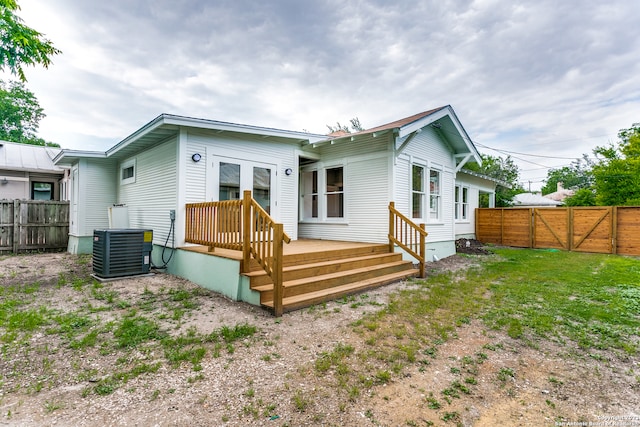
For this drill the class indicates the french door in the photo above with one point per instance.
(231, 177)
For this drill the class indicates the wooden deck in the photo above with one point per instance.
(315, 271)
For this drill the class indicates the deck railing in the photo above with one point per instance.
(241, 225)
(407, 235)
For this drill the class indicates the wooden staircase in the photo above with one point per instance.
(314, 277)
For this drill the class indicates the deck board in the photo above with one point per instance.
(296, 247)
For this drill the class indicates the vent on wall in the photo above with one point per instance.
(121, 252)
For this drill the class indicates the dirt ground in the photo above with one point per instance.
(270, 381)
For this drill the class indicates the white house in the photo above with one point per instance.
(28, 172)
(333, 188)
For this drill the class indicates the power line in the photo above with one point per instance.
(525, 154)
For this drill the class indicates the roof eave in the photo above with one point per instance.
(66, 157)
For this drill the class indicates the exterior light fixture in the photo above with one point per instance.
(288, 171)
(196, 157)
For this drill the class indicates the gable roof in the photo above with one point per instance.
(28, 158)
(442, 119)
(402, 122)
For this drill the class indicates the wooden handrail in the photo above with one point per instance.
(241, 225)
(407, 235)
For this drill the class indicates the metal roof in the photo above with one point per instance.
(28, 158)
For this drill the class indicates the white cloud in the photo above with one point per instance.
(522, 76)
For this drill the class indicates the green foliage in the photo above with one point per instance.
(578, 175)
(582, 197)
(21, 45)
(503, 169)
(617, 174)
(20, 114)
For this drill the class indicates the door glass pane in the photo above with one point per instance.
(229, 181)
(262, 187)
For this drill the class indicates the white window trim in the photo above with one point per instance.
(439, 218)
(459, 205)
(424, 193)
(325, 194)
(126, 165)
(303, 213)
(322, 218)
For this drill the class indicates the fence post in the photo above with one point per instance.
(247, 218)
(614, 230)
(16, 225)
(278, 291)
(423, 252)
(391, 226)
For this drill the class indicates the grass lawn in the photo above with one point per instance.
(588, 302)
(116, 344)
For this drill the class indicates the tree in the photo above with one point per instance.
(576, 176)
(582, 197)
(20, 114)
(355, 126)
(21, 45)
(504, 170)
(617, 174)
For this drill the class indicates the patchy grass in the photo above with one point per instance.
(532, 295)
(110, 326)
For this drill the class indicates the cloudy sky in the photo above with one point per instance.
(537, 77)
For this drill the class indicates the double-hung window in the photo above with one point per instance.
(417, 191)
(435, 196)
(461, 203)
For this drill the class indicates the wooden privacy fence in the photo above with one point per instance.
(599, 229)
(33, 225)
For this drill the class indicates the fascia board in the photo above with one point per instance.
(419, 124)
(68, 156)
(239, 128)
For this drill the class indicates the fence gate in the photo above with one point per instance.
(592, 229)
(33, 225)
(551, 228)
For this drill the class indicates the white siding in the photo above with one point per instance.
(366, 174)
(428, 149)
(97, 192)
(280, 153)
(154, 191)
(475, 185)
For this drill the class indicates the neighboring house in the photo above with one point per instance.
(28, 172)
(533, 200)
(319, 187)
(560, 194)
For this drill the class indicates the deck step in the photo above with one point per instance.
(316, 297)
(259, 279)
(334, 279)
(321, 275)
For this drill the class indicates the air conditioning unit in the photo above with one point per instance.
(121, 252)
